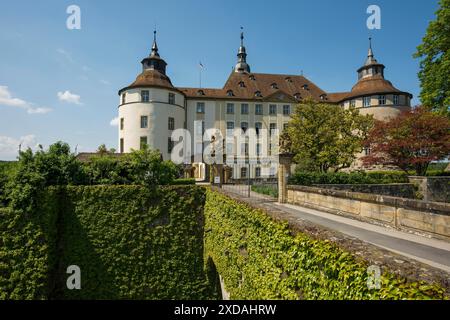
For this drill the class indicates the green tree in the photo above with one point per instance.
(325, 136)
(434, 53)
(35, 171)
(147, 167)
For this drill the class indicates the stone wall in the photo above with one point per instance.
(402, 190)
(433, 188)
(422, 217)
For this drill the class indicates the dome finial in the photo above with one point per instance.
(242, 36)
(370, 54)
(154, 46)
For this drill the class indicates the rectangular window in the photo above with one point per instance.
(171, 123)
(230, 128)
(258, 109)
(367, 151)
(285, 126)
(200, 107)
(258, 172)
(170, 145)
(145, 96)
(123, 98)
(396, 100)
(244, 108)
(366, 101)
(352, 103)
(144, 122)
(171, 98)
(258, 126)
(273, 127)
(381, 100)
(273, 109)
(244, 126)
(122, 123)
(286, 110)
(258, 149)
(230, 108)
(121, 146)
(143, 142)
(243, 172)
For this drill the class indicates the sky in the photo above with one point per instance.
(58, 84)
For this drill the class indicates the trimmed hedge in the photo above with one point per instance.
(258, 258)
(184, 181)
(373, 177)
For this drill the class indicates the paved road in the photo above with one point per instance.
(429, 251)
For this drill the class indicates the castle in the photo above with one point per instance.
(151, 107)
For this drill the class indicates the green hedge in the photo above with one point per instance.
(27, 252)
(187, 181)
(269, 190)
(258, 258)
(373, 177)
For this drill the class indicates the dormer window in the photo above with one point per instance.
(258, 94)
(288, 79)
(252, 77)
(297, 96)
(274, 86)
(230, 93)
(305, 87)
(323, 97)
(200, 93)
(241, 84)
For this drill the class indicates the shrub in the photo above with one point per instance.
(188, 181)
(380, 177)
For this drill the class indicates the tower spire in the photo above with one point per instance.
(154, 46)
(242, 65)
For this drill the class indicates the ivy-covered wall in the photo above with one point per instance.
(27, 251)
(129, 242)
(260, 258)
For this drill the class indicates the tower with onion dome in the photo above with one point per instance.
(150, 108)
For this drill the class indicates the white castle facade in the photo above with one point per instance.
(152, 108)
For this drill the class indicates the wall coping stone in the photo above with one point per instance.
(419, 205)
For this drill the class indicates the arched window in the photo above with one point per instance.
(230, 93)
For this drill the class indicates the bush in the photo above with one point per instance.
(380, 177)
(269, 190)
(188, 181)
(259, 258)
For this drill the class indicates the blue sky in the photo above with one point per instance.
(40, 57)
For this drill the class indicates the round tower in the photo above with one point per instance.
(375, 95)
(150, 108)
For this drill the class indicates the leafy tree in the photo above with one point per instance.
(35, 171)
(146, 167)
(434, 53)
(410, 141)
(325, 136)
(107, 169)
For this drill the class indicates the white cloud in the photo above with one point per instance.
(7, 99)
(114, 122)
(65, 54)
(9, 147)
(69, 97)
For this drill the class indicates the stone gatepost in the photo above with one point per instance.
(284, 171)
